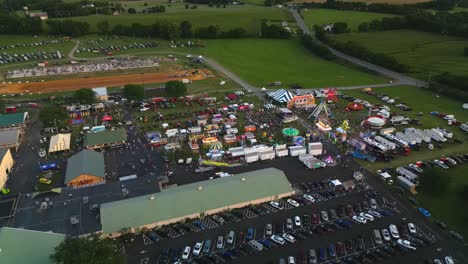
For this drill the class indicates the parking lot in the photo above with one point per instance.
(355, 239)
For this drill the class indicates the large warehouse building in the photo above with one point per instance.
(194, 200)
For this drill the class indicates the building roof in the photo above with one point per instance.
(9, 137)
(105, 137)
(193, 198)
(85, 162)
(100, 91)
(59, 142)
(13, 119)
(3, 152)
(27, 246)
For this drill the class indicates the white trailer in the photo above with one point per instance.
(388, 144)
(250, 156)
(281, 151)
(311, 162)
(386, 177)
(399, 141)
(315, 148)
(295, 151)
(407, 174)
(405, 183)
(236, 152)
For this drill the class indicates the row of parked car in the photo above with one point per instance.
(110, 48)
(37, 55)
(32, 44)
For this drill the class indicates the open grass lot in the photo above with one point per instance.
(421, 101)
(260, 61)
(425, 53)
(319, 16)
(450, 207)
(397, 2)
(226, 18)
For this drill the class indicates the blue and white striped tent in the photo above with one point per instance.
(282, 96)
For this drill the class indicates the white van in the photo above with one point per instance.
(256, 245)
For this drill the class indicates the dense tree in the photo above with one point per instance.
(434, 181)
(363, 27)
(465, 51)
(340, 27)
(68, 27)
(85, 96)
(176, 88)
(134, 92)
(51, 113)
(317, 49)
(132, 10)
(464, 193)
(103, 27)
(274, 31)
(185, 29)
(87, 250)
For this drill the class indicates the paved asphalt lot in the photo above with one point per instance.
(138, 252)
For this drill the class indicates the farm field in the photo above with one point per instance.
(226, 18)
(426, 102)
(443, 207)
(426, 54)
(260, 61)
(319, 16)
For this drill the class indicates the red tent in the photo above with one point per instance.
(232, 96)
(354, 106)
(107, 118)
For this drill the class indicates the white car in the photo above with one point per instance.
(449, 260)
(277, 239)
(144, 109)
(269, 230)
(359, 219)
(186, 253)
(406, 244)
(374, 213)
(394, 231)
(309, 198)
(441, 164)
(42, 153)
(324, 215)
(412, 228)
(276, 205)
(197, 249)
(289, 238)
(220, 242)
(386, 235)
(367, 216)
(416, 168)
(293, 202)
(297, 221)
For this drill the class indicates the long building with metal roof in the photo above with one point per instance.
(194, 200)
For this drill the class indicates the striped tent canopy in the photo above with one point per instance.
(282, 96)
(216, 146)
(269, 106)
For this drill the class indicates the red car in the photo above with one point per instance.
(349, 210)
(340, 248)
(315, 218)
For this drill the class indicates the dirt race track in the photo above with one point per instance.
(108, 81)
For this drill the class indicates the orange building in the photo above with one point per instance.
(85, 168)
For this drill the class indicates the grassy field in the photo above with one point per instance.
(448, 207)
(227, 18)
(262, 61)
(397, 2)
(426, 102)
(318, 16)
(425, 53)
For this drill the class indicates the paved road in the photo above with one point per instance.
(397, 77)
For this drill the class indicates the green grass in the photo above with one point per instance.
(421, 101)
(318, 16)
(247, 17)
(450, 207)
(261, 61)
(425, 53)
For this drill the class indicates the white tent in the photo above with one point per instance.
(59, 142)
(336, 183)
(282, 96)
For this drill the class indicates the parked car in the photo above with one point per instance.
(218, 219)
(186, 253)
(394, 231)
(207, 247)
(289, 224)
(292, 202)
(230, 237)
(250, 234)
(359, 219)
(309, 198)
(297, 221)
(276, 205)
(315, 218)
(324, 215)
(386, 235)
(412, 228)
(269, 230)
(441, 164)
(197, 248)
(367, 216)
(449, 260)
(220, 242)
(289, 238)
(278, 239)
(45, 181)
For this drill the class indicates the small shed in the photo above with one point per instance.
(59, 142)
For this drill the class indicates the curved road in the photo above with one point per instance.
(397, 77)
